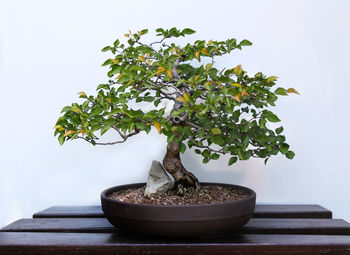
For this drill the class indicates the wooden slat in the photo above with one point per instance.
(111, 243)
(93, 211)
(261, 211)
(292, 211)
(254, 226)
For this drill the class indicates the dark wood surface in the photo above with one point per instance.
(109, 243)
(261, 211)
(254, 226)
(276, 229)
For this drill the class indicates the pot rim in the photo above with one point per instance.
(251, 193)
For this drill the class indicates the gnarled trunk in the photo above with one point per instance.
(172, 164)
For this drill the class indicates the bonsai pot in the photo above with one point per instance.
(203, 220)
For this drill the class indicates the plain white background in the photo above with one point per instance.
(50, 50)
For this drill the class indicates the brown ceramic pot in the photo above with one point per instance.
(178, 220)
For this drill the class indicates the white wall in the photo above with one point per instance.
(50, 50)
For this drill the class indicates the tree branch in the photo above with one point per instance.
(125, 137)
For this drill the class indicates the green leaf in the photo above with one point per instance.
(245, 43)
(104, 129)
(187, 31)
(290, 154)
(182, 147)
(215, 156)
(61, 139)
(144, 31)
(102, 86)
(232, 160)
(156, 102)
(206, 153)
(96, 111)
(218, 140)
(107, 48)
(279, 130)
(66, 109)
(107, 62)
(284, 148)
(273, 118)
(116, 43)
(205, 160)
(148, 99)
(262, 123)
(109, 122)
(270, 116)
(216, 131)
(281, 91)
(245, 128)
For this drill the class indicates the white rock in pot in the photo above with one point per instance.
(158, 181)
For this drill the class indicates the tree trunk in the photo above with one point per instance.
(172, 164)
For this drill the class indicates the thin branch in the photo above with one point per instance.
(125, 137)
(190, 124)
(159, 41)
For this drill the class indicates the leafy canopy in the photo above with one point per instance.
(215, 111)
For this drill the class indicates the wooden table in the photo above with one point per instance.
(274, 229)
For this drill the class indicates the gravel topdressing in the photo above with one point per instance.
(210, 194)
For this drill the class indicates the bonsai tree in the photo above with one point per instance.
(194, 104)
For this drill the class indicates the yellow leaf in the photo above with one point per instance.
(196, 54)
(196, 78)
(207, 84)
(205, 51)
(187, 97)
(129, 83)
(168, 72)
(108, 100)
(237, 70)
(114, 61)
(69, 132)
(82, 94)
(59, 127)
(237, 85)
(220, 84)
(244, 93)
(238, 97)
(208, 66)
(158, 126)
(258, 75)
(149, 62)
(292, 90)
(216, 131)
(271, 78)
(75, 109)
(119, 76)
(181, 99)
(141, 58)
(210, 42)
(82, 132)
(160, 70)
(126, 35)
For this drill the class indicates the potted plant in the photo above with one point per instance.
(195, 105)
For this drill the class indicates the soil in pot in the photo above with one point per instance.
(210, 194)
